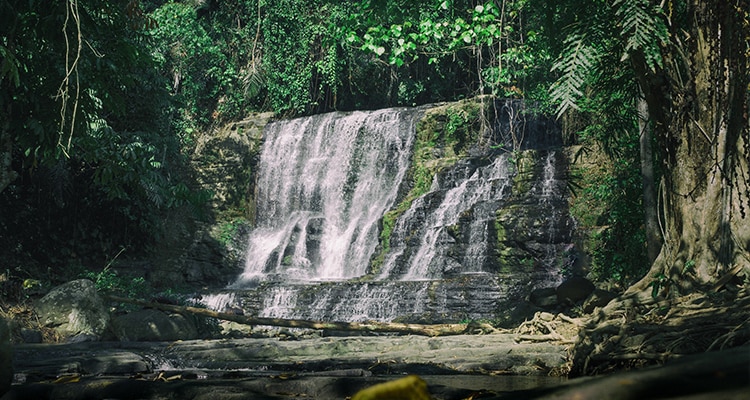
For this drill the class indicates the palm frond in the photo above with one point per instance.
(643, 28)
(576, 64)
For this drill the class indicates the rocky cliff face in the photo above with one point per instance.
(479, 220)
(497, 199)
(205, 248)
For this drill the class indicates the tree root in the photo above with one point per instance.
(545, 327)
(637, 331)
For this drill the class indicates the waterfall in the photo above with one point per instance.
(485, 184)
(324, 183)
(552, 192)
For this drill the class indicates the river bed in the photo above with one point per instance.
(319, 368)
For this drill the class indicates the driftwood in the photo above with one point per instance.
(371, 326)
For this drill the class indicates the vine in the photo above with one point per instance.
(71, 68)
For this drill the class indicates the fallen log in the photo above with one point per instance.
(370, 326)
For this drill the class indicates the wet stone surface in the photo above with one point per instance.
(323, 367)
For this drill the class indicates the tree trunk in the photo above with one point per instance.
(698, 103)
(414, 329)
(653, 234)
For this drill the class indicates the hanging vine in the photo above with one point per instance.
(71, 71)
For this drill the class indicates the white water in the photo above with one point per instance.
(280, 303)
(217, 302)
(324, 183)
(552, 191)
(379, 301)
(486, 183)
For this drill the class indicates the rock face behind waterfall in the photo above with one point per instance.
(497, 201)
(434, 214)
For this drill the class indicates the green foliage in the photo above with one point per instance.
(109, 281)
(89, 125)
(303, 57)
(604, 37)
(509, 57)
(9, 66)
(576, 64)
(197, 68)
(609, 211)
(643, 28)
(228, 231)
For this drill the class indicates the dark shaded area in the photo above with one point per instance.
(712, 375)
(523, 125)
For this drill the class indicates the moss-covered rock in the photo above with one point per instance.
(445, 134)
(74, 310)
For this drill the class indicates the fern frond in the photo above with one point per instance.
(576, 64)
(254, 80)
(643, 29)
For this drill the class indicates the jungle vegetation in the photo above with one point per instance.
(101, 102)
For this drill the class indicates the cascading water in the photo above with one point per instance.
(324, 183)
(552, 192)
(431, 260)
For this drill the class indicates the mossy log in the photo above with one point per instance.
(370, 326)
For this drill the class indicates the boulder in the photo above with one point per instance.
(574, 289)
(6, 358)
(544, 297)
(150, 325)
(74, 309)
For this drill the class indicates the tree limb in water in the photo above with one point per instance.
(371, 326)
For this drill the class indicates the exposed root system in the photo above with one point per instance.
(546, 327)
(637, 330)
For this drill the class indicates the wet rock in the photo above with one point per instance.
(404, 354)
(82, 338)
(36, 362)
(464, 297)
(154, 325)
(574, 289)
(74, 308)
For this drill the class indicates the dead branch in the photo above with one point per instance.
(372, 326)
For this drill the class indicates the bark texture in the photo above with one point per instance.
(693, 299)
(698, 105)
(653, 234)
